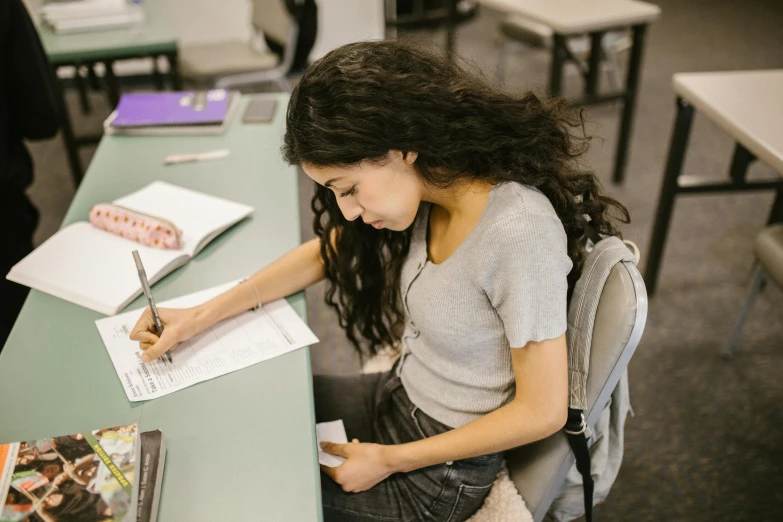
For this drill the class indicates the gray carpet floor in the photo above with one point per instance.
(704, 444)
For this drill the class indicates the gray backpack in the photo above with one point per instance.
(566, 474)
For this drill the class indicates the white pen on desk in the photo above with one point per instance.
(173, 159)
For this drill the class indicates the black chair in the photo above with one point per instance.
(430, 14)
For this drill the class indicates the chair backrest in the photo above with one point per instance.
(539, 469)
(289, 27)
(273, 19)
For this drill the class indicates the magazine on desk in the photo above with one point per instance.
(88, 476)
(94, 268)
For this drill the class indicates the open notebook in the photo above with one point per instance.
(95, 269)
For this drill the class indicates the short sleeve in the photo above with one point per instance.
(524, 275)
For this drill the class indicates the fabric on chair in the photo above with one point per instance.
(503, 503)
(769, 250)
(219, 59)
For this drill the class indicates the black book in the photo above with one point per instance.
(151, 461)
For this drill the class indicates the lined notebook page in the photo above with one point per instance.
(95, 269)
(90, 267)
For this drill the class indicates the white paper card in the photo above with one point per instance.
(333, 431)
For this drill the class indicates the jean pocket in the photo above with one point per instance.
(469, 500)
(425, 425)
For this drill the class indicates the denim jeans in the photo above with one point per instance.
(375, 408)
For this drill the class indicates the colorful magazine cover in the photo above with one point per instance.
(83, 477)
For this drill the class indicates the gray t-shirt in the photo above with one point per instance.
(504, 286)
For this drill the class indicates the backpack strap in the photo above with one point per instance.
(577, 438)
(606, 253)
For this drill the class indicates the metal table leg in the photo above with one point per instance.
(81, 86)
(95, 83)
(594, 66)
(176, 81)
(631, 89)
(71, 148)
(156, 74)
(451, 29)
(558, 61)
(112, 84)
(679, 143)
(776, 215)
(739, 164)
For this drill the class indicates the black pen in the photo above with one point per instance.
(145, 285)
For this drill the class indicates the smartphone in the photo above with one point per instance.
(259, 110)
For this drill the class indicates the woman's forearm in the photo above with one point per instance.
(512, 425)
(291, 273)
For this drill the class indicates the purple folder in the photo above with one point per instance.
(172, 108)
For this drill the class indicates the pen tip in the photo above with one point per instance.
(137, 260)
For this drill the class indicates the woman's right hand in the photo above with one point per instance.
(179, 325)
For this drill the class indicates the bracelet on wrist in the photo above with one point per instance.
(255, 293)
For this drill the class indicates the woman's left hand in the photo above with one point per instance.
(365, 465)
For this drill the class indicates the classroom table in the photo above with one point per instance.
(748, 106)
(154, 37)
(241, 446)
(570, 18)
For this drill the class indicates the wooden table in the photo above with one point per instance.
(748, 106)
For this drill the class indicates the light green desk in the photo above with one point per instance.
(154, 37)
(240, 447)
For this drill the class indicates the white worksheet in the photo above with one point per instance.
(233, 344)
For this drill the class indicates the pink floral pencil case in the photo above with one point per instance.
(142, 228)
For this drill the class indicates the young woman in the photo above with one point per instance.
(449, 218)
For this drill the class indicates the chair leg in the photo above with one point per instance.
(613, 69)
(753, 292)
(81, 87)
(502, 51)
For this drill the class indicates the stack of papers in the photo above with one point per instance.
(75, 16)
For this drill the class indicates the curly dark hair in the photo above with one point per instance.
(365, 99)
